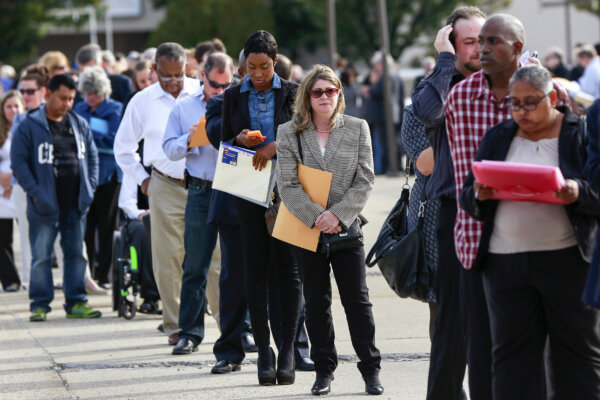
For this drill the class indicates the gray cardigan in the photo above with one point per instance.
(348, 156)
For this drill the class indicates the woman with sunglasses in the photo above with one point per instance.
(535, 256)
(321, 137)
(262, 101)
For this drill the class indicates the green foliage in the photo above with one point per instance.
(191, 21)
(592, 6)
(24, 22)
(408, 20)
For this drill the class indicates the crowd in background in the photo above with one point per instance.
(118, 154)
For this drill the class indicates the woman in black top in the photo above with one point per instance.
(262, 101)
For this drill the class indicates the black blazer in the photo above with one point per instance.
(222, 208)
(236, 116)
(572, 156)
(122, 87)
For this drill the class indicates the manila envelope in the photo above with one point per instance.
(288, 228)
(199, 137)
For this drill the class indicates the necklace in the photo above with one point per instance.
(320, 131)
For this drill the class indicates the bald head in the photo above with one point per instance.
(508, 24)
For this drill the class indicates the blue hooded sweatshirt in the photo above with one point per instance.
(32, 164)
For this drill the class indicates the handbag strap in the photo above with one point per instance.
(300, 148)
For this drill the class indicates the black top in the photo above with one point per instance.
(66, 163)
(428, 99)
(583, 213)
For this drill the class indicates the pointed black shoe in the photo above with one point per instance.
(225, 367)
(372, 385)
(266, 370)
(184, 346)
(321, 386)
(304, 364)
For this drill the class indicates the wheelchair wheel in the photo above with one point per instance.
(127, 309)
(117, 280)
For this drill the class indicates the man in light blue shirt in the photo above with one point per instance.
(200, 236)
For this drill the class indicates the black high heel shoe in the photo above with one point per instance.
(266, 370)
(285, 376)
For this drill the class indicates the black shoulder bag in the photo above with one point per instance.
(345, 239)
(401, 254)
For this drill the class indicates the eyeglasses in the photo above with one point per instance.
(28, 91)
(164, 79)
(216, 85)
(514, 107)
(330, 92)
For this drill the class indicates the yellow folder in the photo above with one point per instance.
(288, 228)
(199, 138)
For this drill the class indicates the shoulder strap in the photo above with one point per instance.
(300, 148)
(582, 130)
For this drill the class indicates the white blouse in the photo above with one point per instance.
(523, 226)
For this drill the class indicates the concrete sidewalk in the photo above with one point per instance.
(112, 358)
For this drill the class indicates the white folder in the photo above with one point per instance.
(236, 175)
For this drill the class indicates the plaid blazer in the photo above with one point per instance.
(348, 156)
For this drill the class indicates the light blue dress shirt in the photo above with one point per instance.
(261, 106)
(200, 162)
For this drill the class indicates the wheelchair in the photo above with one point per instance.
(125, 274)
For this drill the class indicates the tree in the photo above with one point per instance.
(191, 21)
(408, 20)
(24, 22)
(592, 6)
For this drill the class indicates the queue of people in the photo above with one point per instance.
(98, 151)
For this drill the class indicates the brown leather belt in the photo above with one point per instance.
(180, 181)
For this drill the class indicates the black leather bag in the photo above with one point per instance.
(345, 239)
(401, 254)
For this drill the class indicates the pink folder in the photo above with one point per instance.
(520, 182)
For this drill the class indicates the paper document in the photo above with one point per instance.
(236, 175)
(199, 138)
(288, 228)
(520, 182)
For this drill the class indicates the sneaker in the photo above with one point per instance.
(150, 307)
(83, 310)
(38, 315)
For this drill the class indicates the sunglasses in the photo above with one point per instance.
(330, 92)
(28, 91)
(216, 85)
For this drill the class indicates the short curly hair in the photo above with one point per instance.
(94, 80)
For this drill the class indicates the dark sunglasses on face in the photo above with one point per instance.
(329, 92)
(216, 85)
(28, 91)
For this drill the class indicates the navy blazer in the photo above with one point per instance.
(222, 208)
(121, 85)
(572, 156)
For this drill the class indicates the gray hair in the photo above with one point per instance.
(219, 61)
(94, 80)
(171, 51)
(87, 53)
(148, 54)
(536, 75)
(108, 57)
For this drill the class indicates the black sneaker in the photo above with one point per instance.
(150, 307)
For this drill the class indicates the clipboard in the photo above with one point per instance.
(520, 182)
(200, 138)
(236, 175)
(288, 228)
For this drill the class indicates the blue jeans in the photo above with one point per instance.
(200, 239)
(379, 149)
(42, 235)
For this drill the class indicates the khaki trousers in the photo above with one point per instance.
(167, 209)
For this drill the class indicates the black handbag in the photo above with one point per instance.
(401, 254)
(345, 239)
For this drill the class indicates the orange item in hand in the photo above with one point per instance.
(254, 134)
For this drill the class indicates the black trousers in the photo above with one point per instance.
(101, 220)
(232, 301)
(301, 348)
(533, 297)
(478, 339)
(140, 240)
(349, 271)
(8, 270)
(448, 349)
(258, 249)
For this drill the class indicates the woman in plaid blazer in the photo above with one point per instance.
(340, 144)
